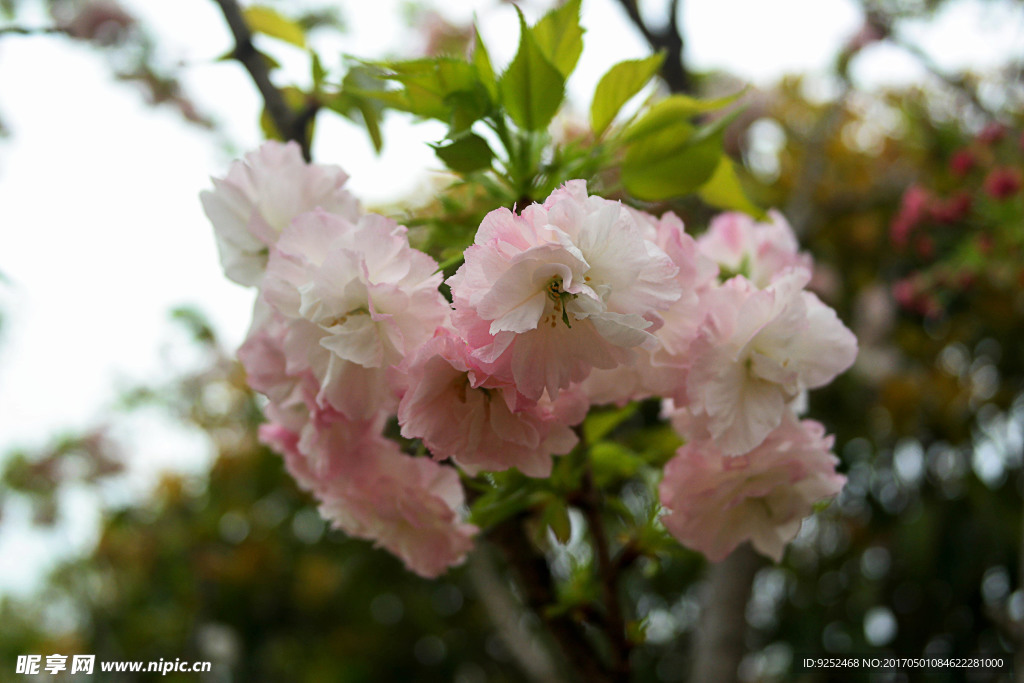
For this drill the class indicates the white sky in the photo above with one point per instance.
(101, 232)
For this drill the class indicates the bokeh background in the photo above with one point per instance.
(140, 518)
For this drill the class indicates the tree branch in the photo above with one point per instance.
(529, 652)
(609, 576)
(721, 638)
(534, 577)
(669, 39)
(290, 124)
(26, 31)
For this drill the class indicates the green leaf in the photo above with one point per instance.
(656, 445)
(484, 69)
(353, 102)
(466, 154)
(498, 505)
(672, 110)
(271, 63)
(556, 516)
(560, 36)
(636, 631)
(724, 191)
(465, 108)
(567, 471)
(429, 82)
(613, 462)
(618, 86)
(665, 164)
(371, 117)
(579, 591)
(442, 88)
(318, 72)
(600, 423)
(269, 22)
(532, 88)
(673, 159)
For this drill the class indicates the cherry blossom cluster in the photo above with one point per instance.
(957, 233)
(575, 302)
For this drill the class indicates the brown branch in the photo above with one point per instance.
(537, 584)
(506, 614)
(26, 31)
(626, 557)
(290, 124)
(669, 39)
(721, 637)
(609, 576)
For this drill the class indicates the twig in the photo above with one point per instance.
(506, 615)
(26, 31)
(290, 124)
(670, 39)
(609, 576)
(535, 580)
(721, 638)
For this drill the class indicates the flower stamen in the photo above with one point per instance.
(560, 297)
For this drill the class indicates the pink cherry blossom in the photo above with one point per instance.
(369, 489)
(406, 505)
(759, 251)
(358, 298)
(266, 363)
(567, 286)
(460, 412)
(283, 358)
(260, 195)
(661, 370)
(572, 302)
(717, 501)
(757, 351)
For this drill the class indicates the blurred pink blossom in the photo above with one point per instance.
(260, 195)
(716, 502)
(759, 251)
(758, 350)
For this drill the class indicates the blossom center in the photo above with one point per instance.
(334, 321)
(726, 273)
(461, 385)
(560, 297)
